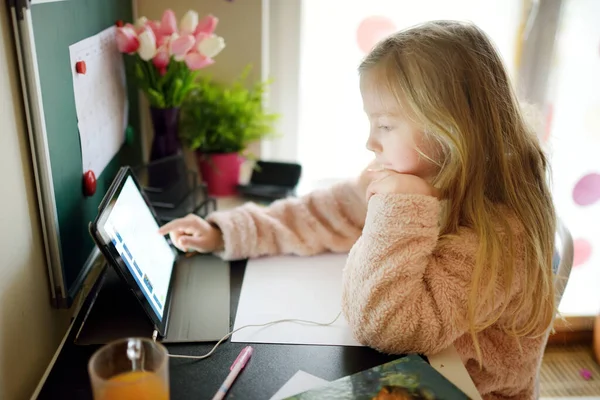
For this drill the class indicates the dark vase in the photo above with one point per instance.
(165, 170)
(166, 132)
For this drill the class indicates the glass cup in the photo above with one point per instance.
(132, 368)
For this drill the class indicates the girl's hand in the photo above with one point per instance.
(387, 181)
(366, 177)
(193, 233)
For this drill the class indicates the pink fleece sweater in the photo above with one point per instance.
(403, 290)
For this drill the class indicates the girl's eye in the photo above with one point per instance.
(385, 127)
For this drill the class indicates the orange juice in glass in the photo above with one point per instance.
(127, 369)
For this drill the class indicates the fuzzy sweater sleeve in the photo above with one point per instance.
(324, 220)
(399, 295)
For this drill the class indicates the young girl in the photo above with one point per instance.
(450, 232)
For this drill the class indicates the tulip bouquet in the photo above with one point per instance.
(168, 57)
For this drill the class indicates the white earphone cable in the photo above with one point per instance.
(298, 321)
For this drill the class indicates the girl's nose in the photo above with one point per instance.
(373, 145)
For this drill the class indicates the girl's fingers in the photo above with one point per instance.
(197, 243)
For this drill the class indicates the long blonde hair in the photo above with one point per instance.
(450, 77)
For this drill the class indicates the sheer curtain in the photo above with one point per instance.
(334, 37)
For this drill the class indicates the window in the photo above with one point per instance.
(318, 46)
(573, 139)
(331, 129)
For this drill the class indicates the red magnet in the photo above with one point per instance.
(119, 23)
(89, 183)
(80, 67)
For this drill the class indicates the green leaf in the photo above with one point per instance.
(156, 98)
(174, 92)
(218, 118)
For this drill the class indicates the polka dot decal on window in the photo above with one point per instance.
(585, 193)
(373, 29)
(587, 190)
(582, 252)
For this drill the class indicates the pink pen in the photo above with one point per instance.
(239, 363)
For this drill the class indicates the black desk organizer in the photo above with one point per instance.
(173, 189)
(271, 181)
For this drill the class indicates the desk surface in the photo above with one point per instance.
(271, 366)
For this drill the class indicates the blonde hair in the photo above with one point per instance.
(451, 79)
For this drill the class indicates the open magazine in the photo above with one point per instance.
(408, 377)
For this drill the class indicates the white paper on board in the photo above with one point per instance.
(100, 99)
(290, 287)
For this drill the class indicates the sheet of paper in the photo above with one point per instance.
(299, 383)
(307, 288)
(100, 99)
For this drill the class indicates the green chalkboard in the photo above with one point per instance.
(57, 25)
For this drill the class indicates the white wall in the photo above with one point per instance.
(30, 329)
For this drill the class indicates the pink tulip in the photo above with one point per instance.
(196, 61)
(181, 46)
(200, 36)
(130, 26)
(127, 39)
(155, 26)
(161, 59)
(207, 25)
(168, 23)
(162, 40)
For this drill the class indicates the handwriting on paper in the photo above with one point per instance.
(100, 98)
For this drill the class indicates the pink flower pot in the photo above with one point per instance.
(220, 172)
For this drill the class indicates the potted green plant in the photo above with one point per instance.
(218, 122)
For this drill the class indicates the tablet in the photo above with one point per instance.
(126, 232)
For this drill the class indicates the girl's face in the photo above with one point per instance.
(394, 137)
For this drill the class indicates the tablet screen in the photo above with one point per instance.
(133, 231)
